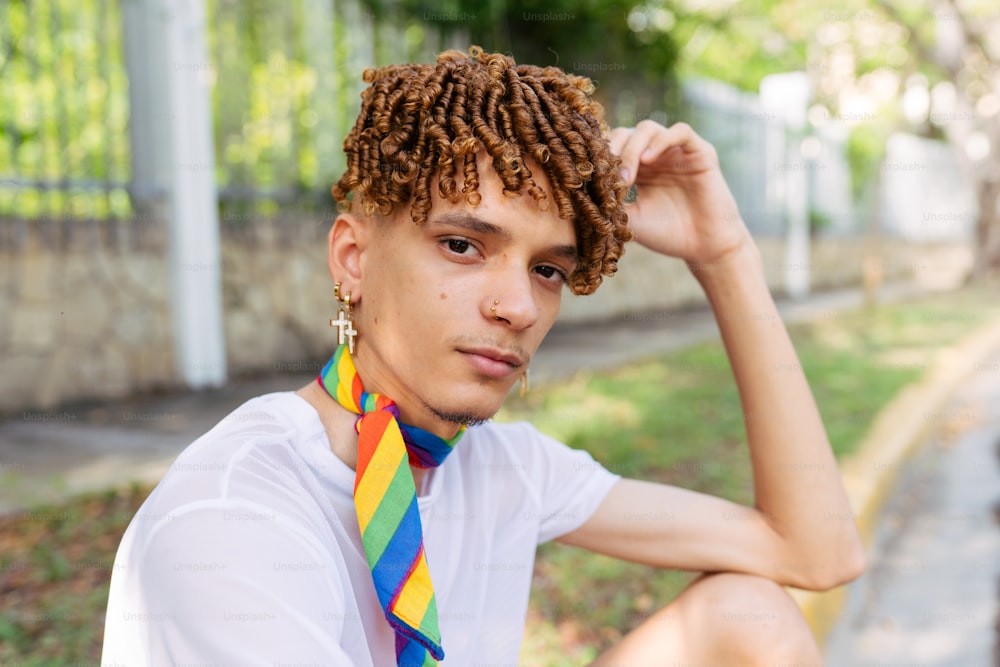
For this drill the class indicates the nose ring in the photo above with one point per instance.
(493, 309)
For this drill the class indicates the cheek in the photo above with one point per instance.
(412, 298)
(391, 283)
(549, 304)
(451, 305)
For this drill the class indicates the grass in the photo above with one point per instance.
(677, 419)
(674, 419)
(55, 566)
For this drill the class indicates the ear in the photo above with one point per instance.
(346, 243)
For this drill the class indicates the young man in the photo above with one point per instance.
(298, 532)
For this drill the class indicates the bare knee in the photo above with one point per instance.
(721, 619)
(748, 620)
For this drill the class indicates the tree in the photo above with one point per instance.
(960, 41)
(630, 56)
(886, 52)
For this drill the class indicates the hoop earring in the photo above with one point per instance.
(345, 319)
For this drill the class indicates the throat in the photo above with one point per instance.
(337, 422)
(422, 480)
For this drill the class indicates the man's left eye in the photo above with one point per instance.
(458, 246)
(550, 272)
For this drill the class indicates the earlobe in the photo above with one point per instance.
(346, 244)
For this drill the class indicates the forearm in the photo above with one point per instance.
(797, 484)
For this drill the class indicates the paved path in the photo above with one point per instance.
(47, 455)
(929, 596)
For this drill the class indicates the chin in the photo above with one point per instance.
(468, 412)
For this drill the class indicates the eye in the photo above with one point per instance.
(458, 246)
(551, 273)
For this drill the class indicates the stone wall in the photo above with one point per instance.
(277, 295)
(82, 317)
(90, 319)
(646, 281)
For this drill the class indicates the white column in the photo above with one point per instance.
(318, 35)
(787, 97)
(170, 82)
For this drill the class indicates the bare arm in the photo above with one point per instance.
(800, 531)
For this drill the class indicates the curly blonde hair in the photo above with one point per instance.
(417, 120)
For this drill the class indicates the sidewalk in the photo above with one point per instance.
(49, 455)
(929, 595)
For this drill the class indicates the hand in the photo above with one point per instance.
(684, 208)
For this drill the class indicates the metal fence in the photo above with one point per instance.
(287, 79)
(287, 85)
(736, 125)
(64, 152)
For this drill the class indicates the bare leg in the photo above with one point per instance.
(721, 620)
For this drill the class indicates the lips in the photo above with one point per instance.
(492, 362)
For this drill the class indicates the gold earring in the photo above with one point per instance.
(345, 320)
(523, 384)
(493, 309)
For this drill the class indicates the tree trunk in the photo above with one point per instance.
(987, 230)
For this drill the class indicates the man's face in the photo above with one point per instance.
(427, 337)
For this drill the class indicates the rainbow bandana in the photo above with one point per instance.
(385, 497)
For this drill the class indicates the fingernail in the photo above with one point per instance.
(626, 175)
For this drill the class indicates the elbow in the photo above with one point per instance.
(846, 571)
(848, 566)
(852, 559)
(855, 563)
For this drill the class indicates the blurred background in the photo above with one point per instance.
(165, 173)
(860, 139)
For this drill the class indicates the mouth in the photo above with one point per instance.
(492, 362)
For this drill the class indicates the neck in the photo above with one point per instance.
(339, 425)
(412, 411)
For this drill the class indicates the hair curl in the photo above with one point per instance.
(418, 120)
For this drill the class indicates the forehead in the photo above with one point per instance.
(509, 211)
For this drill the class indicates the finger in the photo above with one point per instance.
(684, 149)
(618, 137)
(679, 134)
(637, 142)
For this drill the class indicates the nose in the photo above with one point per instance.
(512, 302)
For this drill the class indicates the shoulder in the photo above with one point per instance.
(263, 434)
(519, 446)
(548, 484)
(511, 434)
(264, 457)
(516, 440)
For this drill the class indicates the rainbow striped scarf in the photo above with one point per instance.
(385, 497)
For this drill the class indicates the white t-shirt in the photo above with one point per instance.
(248, 551)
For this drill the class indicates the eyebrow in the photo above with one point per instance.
(472, 223)
(476, 224)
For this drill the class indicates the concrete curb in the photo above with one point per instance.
(869, 473)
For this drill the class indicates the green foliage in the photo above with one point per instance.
(593, 39)
(55, 121)
(286, 86)
(865, 152)
(818, 222)
(742, 43)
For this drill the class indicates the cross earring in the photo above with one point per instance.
(344, 322)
